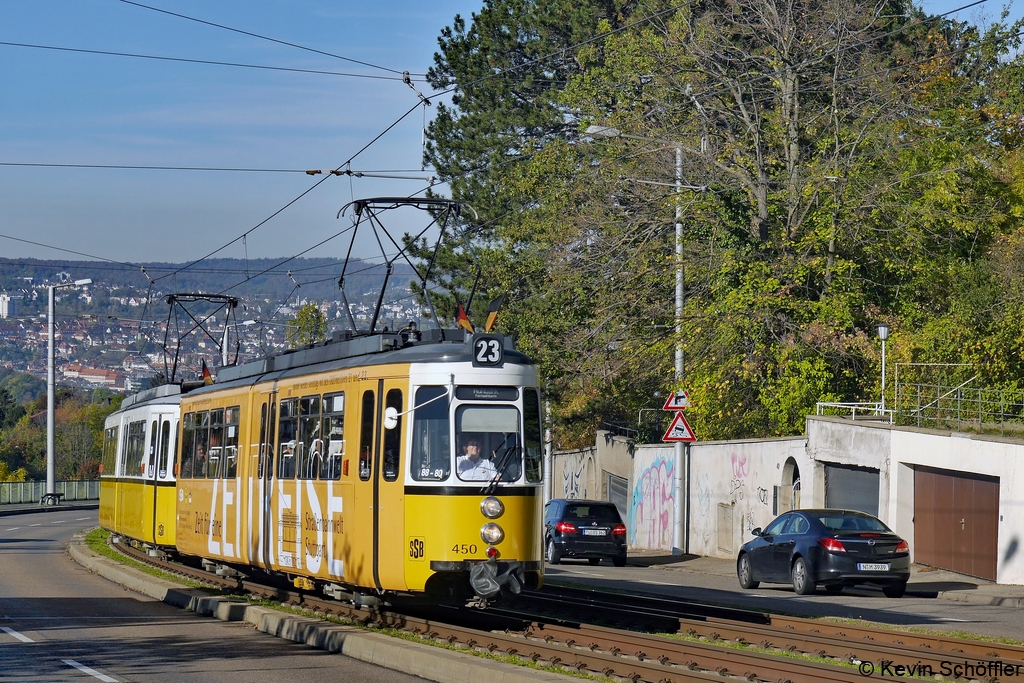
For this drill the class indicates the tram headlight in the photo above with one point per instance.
(492, 533)
(492, 507)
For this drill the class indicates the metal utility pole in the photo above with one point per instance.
(677, 475)
(51, 467)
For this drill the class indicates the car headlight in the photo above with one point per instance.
(492, 533)
(491, 507)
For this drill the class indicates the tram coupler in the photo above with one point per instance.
(491, 577)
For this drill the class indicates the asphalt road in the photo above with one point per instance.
(58, 622)
(721, 587)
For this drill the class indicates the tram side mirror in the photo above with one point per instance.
(756, 531)
(390, 418)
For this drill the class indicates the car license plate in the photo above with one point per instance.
(873, 567)
(594, 532)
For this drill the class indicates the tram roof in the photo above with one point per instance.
(435, 346)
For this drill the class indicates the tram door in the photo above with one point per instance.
(159, 474)
(262, 531)
(390, 544)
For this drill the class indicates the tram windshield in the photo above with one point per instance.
(489, 443)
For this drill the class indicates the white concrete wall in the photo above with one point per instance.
(844, 442)
(651, 500)
(736, 480)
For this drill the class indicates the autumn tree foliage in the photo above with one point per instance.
(862, 162)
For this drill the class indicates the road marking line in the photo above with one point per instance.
(14, 528)
(82, 519)
(659, 583)
(11, 631)
(92, 672)
(35, 524)
(952, 619)
(58, 521)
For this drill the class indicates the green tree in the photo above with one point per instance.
(307, 327)
(861, 169)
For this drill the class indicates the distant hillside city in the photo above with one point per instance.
(112, 333)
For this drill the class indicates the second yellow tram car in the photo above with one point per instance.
(137, 487)
(348, 466)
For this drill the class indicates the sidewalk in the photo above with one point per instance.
(925, 582)
(29, 508)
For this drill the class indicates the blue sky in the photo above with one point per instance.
(68, 108)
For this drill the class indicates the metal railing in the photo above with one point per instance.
(961, 407)
(867, 411)
(12, 492)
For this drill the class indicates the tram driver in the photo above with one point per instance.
(470, 466)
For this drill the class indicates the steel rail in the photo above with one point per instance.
(644, 657)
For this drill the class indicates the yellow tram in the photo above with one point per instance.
(137, 483)
(381, 463)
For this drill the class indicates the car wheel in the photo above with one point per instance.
(835, 588)
(553, 555)
(895, 590)
(619, 561)
(803, 583)
(745, 573)
(594, 561)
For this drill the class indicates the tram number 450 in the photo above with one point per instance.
(416, 548)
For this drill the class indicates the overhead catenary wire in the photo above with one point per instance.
(261, 37)
(208, 62)
(300, 196)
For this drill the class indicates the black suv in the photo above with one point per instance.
(589, 529)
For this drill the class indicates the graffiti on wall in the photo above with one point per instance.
(652, 505)
(574, 467)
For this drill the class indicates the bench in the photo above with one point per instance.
(51, 499)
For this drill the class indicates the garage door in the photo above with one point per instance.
(956, 521)
(851, 488)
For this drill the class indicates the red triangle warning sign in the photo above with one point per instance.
(679, 400)
(679, 430)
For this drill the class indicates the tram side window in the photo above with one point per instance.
(194, 444)
(215, 453)
(286, 437)
(165, 447)
(334, 435)
(431, 448)
(393, 438)
(229, 458)
(309, 458)
(202, 460)
(135, 448)
(264, 448)
(108, 466)
(532, 436)
(154, 433)
(188, 445)
(366, 435)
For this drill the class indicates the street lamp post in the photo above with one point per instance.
(51, 467)
(677, 478)
(883, 334)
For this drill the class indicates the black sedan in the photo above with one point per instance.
(832, 548)
(590, 529)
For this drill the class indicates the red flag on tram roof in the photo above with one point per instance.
(461, 319)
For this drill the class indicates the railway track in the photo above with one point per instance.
(715, 645)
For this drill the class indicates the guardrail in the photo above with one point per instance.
(31, 491)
